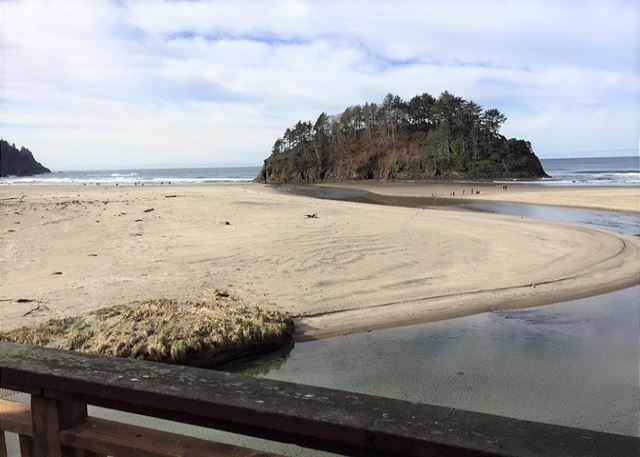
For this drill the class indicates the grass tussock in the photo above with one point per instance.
(162, 330)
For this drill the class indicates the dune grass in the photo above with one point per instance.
(162, 330)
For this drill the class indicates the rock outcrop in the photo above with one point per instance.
(18, 162)
(423, 139)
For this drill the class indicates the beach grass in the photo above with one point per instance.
(164, 330)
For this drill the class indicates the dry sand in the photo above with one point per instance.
(614, 198)
(355, 267)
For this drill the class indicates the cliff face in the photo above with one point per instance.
(425, 138)
(18, 162)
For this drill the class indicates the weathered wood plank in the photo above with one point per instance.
(15, 417)
(100, 437)
(316, 417)
(108, 437)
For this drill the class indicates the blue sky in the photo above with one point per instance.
(126, 84)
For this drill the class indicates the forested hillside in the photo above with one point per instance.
(18, 162)
(423, 138)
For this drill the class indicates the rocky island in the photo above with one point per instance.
(426, 138)
(18, 162)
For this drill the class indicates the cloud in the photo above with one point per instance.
(110, 84)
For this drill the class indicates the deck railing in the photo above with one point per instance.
(62, 384)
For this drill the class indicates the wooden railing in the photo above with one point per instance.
(62, 384)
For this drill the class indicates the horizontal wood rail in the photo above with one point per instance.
(62, 383)
(103, 437)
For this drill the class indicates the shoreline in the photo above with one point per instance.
(402, 314)
(356, 268)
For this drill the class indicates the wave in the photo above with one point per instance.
(126, 174)
(113, 175)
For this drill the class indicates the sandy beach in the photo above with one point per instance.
(68, 250)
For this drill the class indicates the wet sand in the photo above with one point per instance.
(68, 250)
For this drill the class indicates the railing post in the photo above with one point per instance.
(49, 416)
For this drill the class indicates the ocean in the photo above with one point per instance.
(151, 176)
(578, 171)
(593, 170)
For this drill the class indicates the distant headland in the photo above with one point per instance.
(426, 138)
(18, 162)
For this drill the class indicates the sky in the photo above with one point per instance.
(95, 85)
